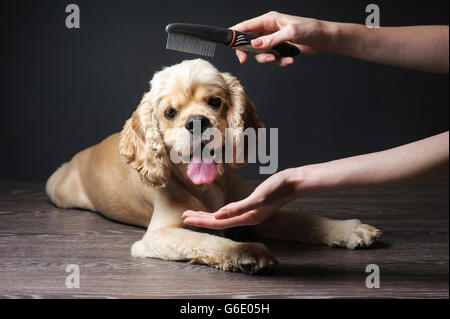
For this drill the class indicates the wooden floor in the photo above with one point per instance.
(38, 241)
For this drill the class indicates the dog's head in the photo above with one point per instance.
(184, 97)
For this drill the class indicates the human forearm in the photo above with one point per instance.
(416, 161)
(423, 48)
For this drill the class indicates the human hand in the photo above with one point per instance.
(270, 195)
(417, 161)
(309, 35)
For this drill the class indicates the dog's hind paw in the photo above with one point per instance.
(351, 234)
(363, 236)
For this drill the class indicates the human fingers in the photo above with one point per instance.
(284, 61)
(287, 33)
(264, 57)
(242, 56)
(191, 213)
(267, 57)
(208, 221)
(258, 25)
(236, 208)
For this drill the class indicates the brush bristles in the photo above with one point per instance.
(183, 43)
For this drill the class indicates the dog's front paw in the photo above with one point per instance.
(250, 258)
(138, 249)
(363, 236)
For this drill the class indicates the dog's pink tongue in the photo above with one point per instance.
(201, 172)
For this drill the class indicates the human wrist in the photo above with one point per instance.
(344, 38)
(307, 180)
(331, 35)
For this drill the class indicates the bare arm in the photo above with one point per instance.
(421, 160)
(417, 161)
(422, 48)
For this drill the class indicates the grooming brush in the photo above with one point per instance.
(202, 40)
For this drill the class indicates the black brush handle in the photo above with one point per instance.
(243, 42)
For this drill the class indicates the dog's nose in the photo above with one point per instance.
(204, 123)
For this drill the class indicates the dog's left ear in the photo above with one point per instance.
(241, 114)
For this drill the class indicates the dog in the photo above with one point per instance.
(129, 177)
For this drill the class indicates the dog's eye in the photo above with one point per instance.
(214, 102)
(170, 113)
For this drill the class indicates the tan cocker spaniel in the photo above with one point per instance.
(129, 177)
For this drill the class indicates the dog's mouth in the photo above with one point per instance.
(202, 169)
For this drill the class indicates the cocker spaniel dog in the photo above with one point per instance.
(129, 177)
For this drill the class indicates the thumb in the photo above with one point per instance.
(235, 209)
(271, 40)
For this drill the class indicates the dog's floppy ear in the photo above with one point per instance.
(241, 114)
(142, 145)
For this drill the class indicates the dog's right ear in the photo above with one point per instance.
(142, 145)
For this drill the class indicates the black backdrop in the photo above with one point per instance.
(63, 90)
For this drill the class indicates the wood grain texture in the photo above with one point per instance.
(38, 241)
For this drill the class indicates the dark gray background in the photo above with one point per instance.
(63, 90)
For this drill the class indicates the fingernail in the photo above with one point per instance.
(256, 43)
(270, 59)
